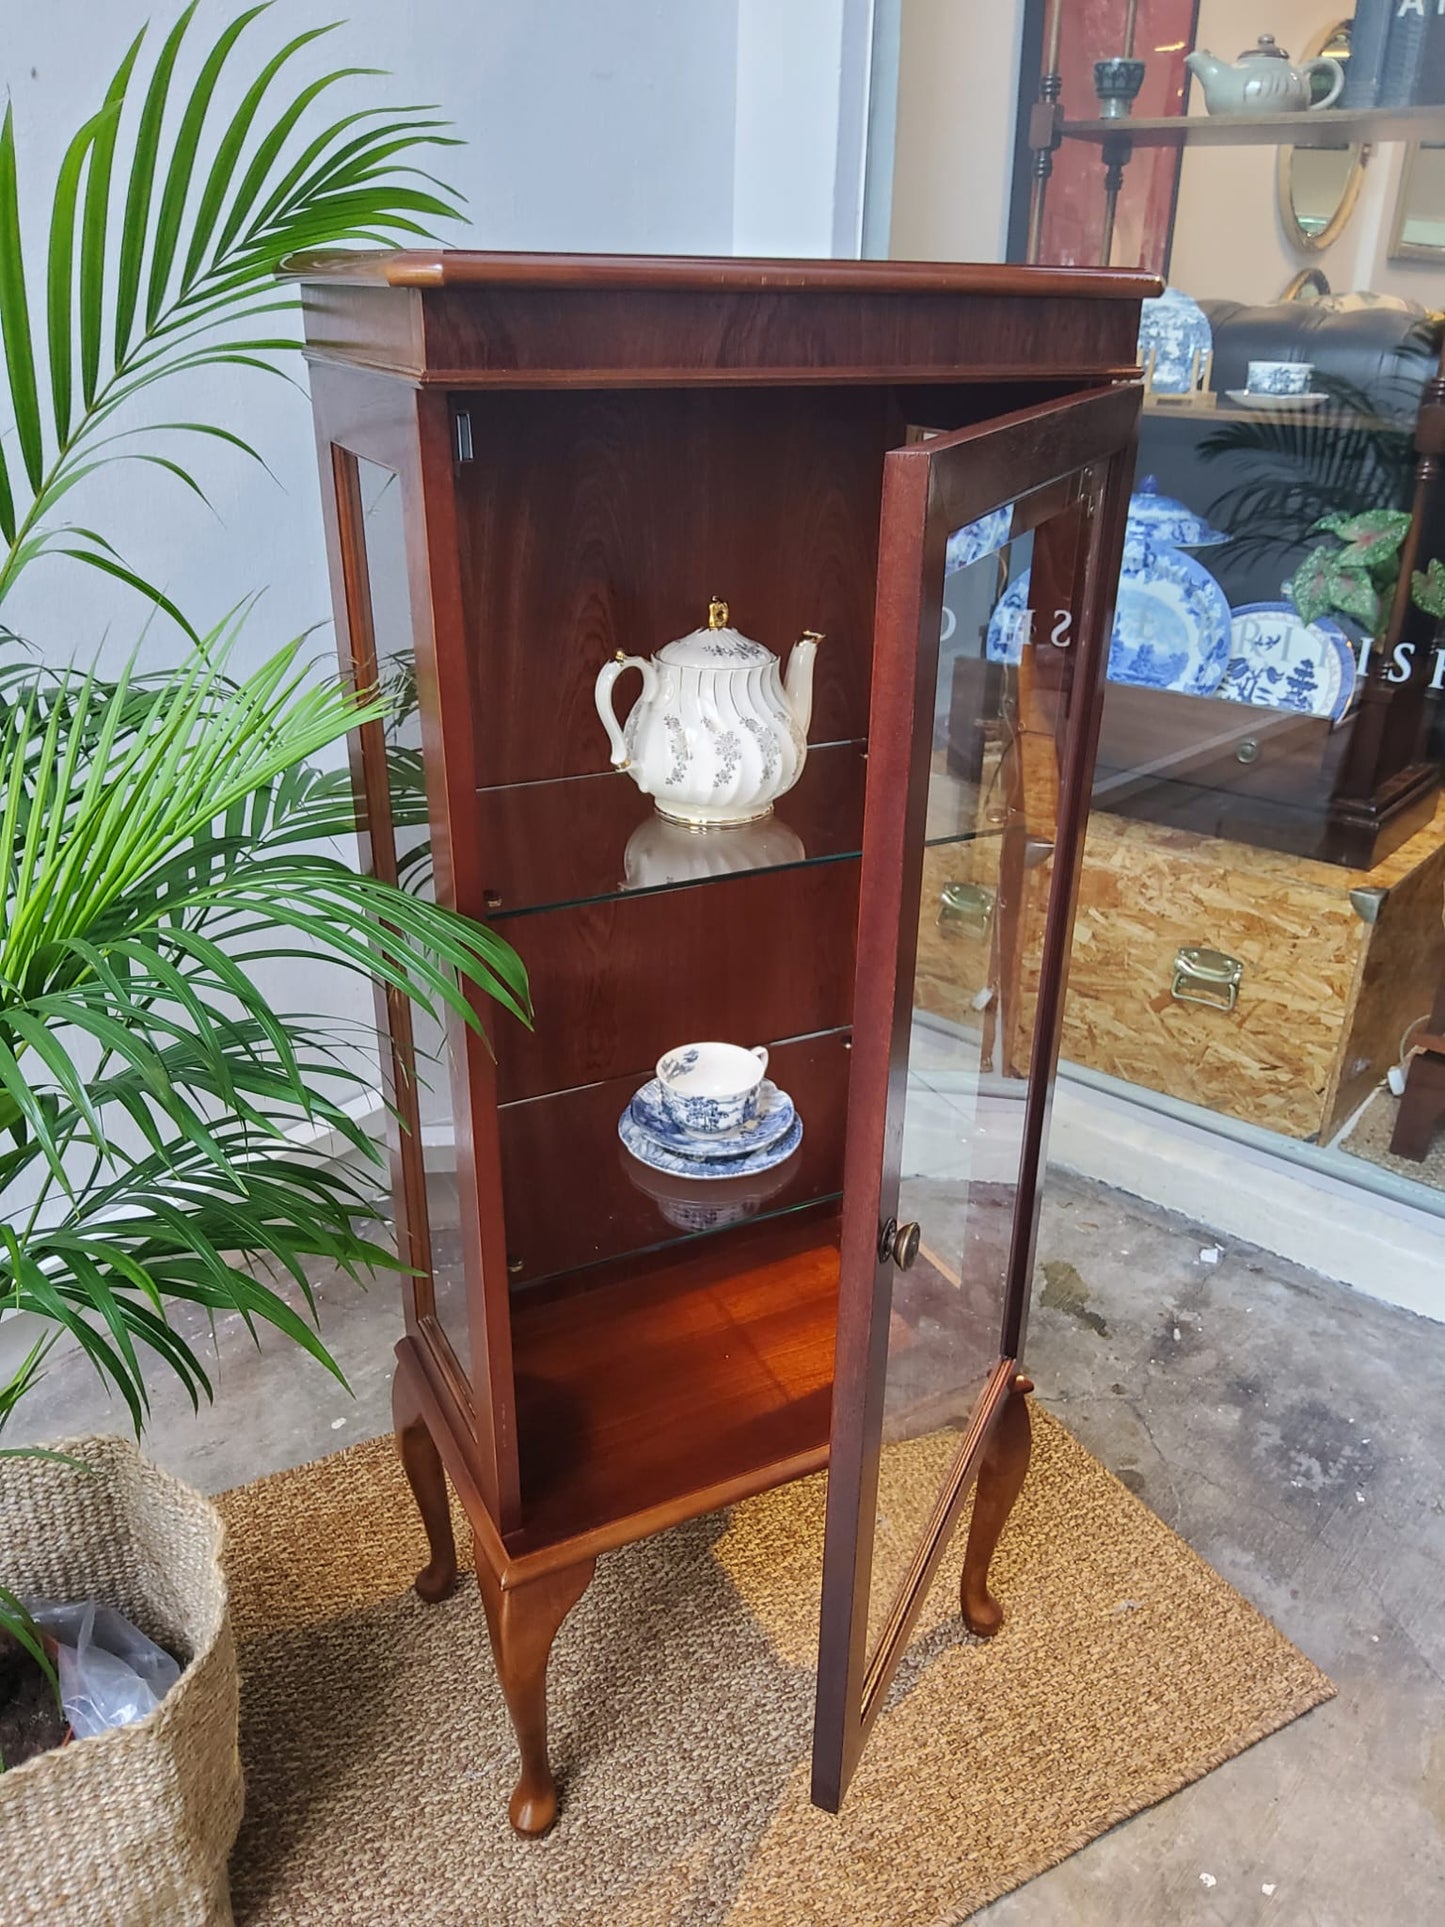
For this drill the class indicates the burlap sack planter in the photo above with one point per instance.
(133, 1827)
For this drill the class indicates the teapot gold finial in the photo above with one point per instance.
(717, 613)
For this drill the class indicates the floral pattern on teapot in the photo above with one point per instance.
(718, 732)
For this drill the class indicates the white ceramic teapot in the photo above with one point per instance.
(1263, 81)
(718, 733)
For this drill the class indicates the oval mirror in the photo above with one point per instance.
(1420, 210)
(1318, 186)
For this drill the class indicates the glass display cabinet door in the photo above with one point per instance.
(999, 556)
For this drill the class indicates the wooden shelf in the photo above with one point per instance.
(1327, 127)
(1213, 409)
(681, 1382)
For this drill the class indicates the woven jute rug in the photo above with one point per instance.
(378, 1757)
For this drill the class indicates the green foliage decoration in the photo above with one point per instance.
(1361, 577)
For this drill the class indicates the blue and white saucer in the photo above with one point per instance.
(650, 1136)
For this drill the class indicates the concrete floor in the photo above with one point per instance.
(1291, 1430)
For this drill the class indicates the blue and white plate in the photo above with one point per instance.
(1171, 623)
(975, 540)
(1176, 328)
(742, 1163)
(1282, 662)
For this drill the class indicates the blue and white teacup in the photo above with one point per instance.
(711, 1090)
(1280, 377)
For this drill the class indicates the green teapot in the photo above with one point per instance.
(1263, 80)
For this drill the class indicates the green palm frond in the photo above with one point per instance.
(1346, 459)
(157, 843)
(169, 219)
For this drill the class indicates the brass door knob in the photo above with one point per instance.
(900, 1242)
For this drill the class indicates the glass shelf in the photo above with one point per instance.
(590, 839)
(606, 1204)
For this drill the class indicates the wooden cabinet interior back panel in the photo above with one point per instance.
(656, 501)
(762, 957)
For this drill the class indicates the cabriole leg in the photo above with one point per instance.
(1000, 1480)
(422, 1464)
(523, 1619)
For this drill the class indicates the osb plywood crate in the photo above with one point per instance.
(1334, 964)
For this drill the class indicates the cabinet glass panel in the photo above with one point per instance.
(991, 644)
(423, 1137)
(970, 1039)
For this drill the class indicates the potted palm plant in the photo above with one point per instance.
(163, 841)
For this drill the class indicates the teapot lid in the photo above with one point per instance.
(1267, 48)
(715, 647)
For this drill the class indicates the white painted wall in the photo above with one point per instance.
(958, 77)
(641, 126)
(799, 132)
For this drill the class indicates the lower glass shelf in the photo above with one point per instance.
(574, 1197)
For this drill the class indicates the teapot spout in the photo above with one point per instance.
(798, 681)
(1203, 63)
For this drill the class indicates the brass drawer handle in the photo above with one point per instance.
(1207, 977)
(967, 905)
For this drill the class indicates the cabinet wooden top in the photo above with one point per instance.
(658, 273)
(469, 321)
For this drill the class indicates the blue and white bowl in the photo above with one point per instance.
(1279, 377)
(711, 1090)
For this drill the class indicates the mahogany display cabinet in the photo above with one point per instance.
(531, 464)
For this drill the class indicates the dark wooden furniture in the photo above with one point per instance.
(1422, 1102)
(529, 463)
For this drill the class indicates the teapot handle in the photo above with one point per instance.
(606, 676)
(1314, 66)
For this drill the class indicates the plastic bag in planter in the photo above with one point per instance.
(110, 1673)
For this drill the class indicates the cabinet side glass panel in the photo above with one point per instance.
(991, 801)
(421, 1123)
